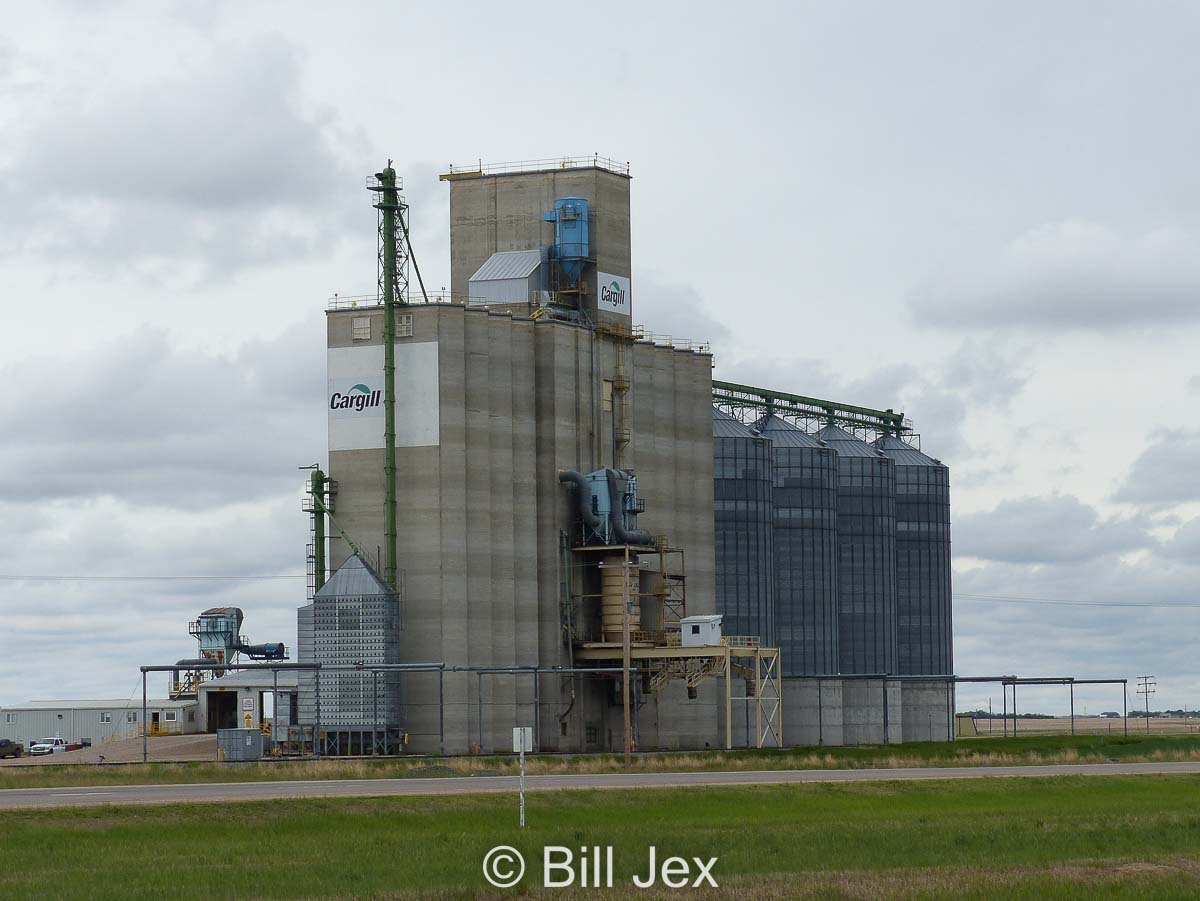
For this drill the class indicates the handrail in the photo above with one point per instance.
(595, 161)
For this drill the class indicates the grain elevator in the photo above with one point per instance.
(529, 369)
(537, 513)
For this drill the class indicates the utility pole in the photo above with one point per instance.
(625, 662)
(1146, 688)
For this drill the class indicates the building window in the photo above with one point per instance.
(404, 325)
(131, 716)
(695, 630)
(591, 733)
(10, 718)
(170, 716)
(191, 716)
(360, 328)
(105, 717)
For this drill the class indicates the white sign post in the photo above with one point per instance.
(522, 742)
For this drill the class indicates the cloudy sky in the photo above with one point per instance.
(987, 215)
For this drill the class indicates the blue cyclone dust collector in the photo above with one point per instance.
(571, 247)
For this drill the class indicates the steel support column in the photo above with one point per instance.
(145, 747)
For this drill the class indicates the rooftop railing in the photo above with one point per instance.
(636, 333)
(563, 162)
(363, 301)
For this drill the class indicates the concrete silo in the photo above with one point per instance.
(498, 392)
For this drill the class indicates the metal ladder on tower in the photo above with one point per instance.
(620, 401)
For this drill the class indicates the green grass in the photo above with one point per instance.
(1030, 750)
(1039, 837)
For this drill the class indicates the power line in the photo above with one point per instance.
(1062, 602)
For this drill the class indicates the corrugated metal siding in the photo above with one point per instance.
(804, 495)
(77, 724)
(743, 523)
(924, 607)
(512, 290)
(866, 536)
(306, 653)
(506, 277)
(508, 264)
(353, 620)
(725, 426)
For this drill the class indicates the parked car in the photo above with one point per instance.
(48, 746)
(10, 748)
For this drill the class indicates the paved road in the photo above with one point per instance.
(361, 788)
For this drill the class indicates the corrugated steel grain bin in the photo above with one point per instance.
(743, 523)
(866, 530)
(804, 497)
(923, 596)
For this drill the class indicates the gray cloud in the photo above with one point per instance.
(1043, 639)
(141, 420)
(1052, 529)
(937, 396)
(251, 151)
(1184, 545)
(1070, 275)
(114, 625)
(1166, 472)
(217, 165)
(669, 307)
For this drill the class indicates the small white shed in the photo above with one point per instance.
(510, 276)
(700, 631)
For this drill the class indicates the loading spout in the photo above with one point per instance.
(590, 519)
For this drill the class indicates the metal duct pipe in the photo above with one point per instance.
(617, 518)
(585, 508)
(272, 651)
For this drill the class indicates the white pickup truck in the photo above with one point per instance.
(48, 746)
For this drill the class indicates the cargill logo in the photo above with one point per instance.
(613, 295)
(360, 397)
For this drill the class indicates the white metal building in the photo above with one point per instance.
(244, 699)
(94, 721)
(510, 276)
(701, 631)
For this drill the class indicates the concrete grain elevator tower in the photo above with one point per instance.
(528, 369)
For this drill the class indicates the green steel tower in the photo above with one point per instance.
(317, 491)
(393, 290)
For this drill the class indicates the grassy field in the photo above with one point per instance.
(1029, 750)
(1039, 837)
(1083, 724)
